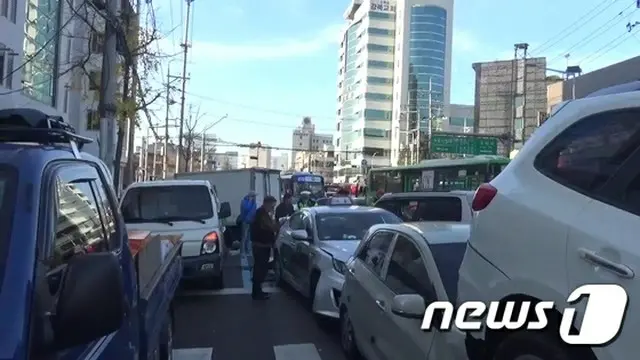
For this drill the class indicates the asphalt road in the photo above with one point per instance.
(229, 325)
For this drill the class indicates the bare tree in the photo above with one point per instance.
(192, 136)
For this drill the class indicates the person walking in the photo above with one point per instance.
(263, 238)
(247, 215)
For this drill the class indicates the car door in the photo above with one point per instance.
(79, 220)
(365, 282)
(405, 273)
(603, 247)
(303, 254)
(287, 244)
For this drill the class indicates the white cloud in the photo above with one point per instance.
(284, 48)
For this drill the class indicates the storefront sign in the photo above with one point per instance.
(383, 5)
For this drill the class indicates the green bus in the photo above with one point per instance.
(435, 175)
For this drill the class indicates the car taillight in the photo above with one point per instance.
(485, 193)
(210, 243)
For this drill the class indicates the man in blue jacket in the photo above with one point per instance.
(247, 214)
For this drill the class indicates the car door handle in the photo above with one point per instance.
(381, 304)
(351, 270)
(620, 270)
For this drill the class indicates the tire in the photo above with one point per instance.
(535, 344)
(166, 340)
(347, 337)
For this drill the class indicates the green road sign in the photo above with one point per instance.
(463, 144)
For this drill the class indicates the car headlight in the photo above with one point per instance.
(339, 266)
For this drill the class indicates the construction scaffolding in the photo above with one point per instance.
(506, 92)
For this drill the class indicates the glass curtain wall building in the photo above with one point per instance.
(402, 73)
(41, 50)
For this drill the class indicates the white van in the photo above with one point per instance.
(187, 207)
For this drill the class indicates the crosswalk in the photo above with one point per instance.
(306, 351)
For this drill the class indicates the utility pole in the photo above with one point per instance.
(165, 154)
(146, 155)
(129, 174)
(202, 148)
(155, 158)
(519, 54)
(185, 47)
(108, 89)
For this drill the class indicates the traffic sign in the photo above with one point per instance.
(363, 163)
(464, 144)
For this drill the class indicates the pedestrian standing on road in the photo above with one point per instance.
(247, 215)
(285, 208)
(263, 238)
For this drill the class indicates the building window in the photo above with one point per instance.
(379, 48)
(93, 120)
(380, 64)
(379, 80)
(96, 42)
(372, 114)
(94, 80)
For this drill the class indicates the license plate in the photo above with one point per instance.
(206, 267)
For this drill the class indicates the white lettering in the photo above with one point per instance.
(493, 323)
(603, 314)
(601, 321)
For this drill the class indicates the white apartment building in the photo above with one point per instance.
(228, 160)
(41, 45)
(259, 156)
(395, 65)
(305, 141)
(280, 162)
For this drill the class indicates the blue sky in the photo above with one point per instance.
(268, 63)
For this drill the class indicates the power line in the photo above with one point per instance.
(222, 143)
(269, 123)
(598, 32)
(581, 21)
(609, 46)
(251, 107)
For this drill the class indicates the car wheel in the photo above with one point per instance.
(532, 345)
(347, 337)
(166, 342)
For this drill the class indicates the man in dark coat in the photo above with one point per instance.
(263, 238)
(285, 209)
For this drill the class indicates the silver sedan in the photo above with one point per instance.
(313, 246)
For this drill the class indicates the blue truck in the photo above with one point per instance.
(69, 284)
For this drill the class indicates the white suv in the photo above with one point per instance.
(565, 212)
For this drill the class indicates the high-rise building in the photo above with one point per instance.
(305, 142)
(395, 67)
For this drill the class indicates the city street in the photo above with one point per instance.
(227, 324)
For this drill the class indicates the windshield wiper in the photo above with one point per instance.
(181, 218)
(155, 220)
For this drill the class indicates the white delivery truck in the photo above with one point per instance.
(233, 185)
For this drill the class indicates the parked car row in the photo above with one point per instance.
(562, 214)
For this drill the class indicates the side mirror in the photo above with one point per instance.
(410, 306)
(300, 235)
(91, 303)
(225, 210)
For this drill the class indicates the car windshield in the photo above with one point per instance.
(316, 189)
(448, 258)
(351, 225)
(8, 182)
(167, 203)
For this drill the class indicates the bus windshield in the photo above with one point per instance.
(312, 183)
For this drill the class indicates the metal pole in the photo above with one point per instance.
(108, 90)
(130, 173)
(165, 155)
(202, 152)
(146, 156)
(185, 46)
(524, 96)
(155, 159)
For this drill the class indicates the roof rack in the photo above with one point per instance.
(34, 126)
(616, 89)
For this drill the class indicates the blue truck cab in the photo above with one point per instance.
(68, 280)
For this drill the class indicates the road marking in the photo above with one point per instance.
(296, 352)
(228, 291)
(193, 354)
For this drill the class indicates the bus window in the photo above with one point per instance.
(378, 181)
(394, 182)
